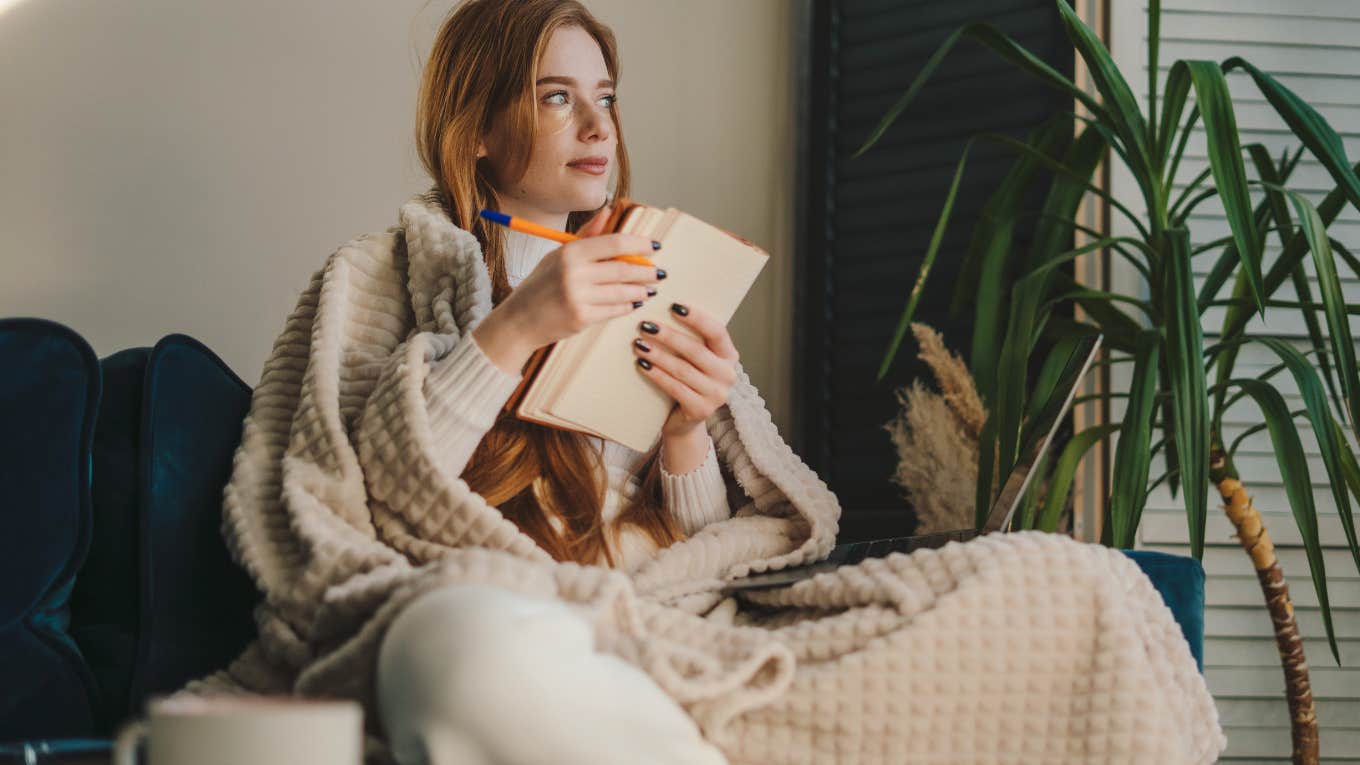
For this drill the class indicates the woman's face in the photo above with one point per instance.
(573, 95)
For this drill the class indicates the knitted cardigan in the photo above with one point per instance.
(1011, 647)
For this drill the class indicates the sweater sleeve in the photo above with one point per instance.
(696, 498)
(465, 391)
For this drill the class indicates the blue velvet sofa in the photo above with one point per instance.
(116, 584)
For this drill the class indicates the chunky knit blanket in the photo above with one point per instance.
(1023, 647)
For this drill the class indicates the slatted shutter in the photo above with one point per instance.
(1313, 47)
(868, 221)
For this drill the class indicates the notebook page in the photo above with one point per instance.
(706, 268)
(566, 358)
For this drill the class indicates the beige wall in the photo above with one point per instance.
(184, 167)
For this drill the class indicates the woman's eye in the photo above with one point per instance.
(564, 94)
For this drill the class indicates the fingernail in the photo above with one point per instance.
(645, 364)
(649, 327)
(637, 303)
(656, 245)
(683, 311)
(641, 345)
(661, 273)
(651, 292)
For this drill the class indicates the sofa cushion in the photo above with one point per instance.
(49, 396)
(104, 604)
(1180, 580)
(196, 603)
(159, 601)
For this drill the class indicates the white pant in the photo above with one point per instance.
(480, 675)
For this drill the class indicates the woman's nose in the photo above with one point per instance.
(597, 121)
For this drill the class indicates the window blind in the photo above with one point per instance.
(1312, 47)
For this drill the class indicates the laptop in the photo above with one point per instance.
(1041, 430)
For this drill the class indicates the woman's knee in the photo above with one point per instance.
(453, 653)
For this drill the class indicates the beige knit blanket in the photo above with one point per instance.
(1010, 648)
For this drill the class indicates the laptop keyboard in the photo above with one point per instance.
(852, 553)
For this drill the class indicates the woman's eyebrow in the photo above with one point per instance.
(606, 83)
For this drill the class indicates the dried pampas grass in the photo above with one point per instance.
(936, 435)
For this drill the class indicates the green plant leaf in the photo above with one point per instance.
(991, 256)
(1123, 115)
(1298, 486)
(1351, 262)
(1026, 314)
(1026, 295)
(1060, 483)
(1179, 153)
(926, 263)
(1154, 19)
(1225, 157)
(1079, 175)
(1053, 231)
(1308, 125)
(986, 466)
(1329, 445)
(999, 43)
(1329, 284)
(1121, 332)
(1184, 353)
(1284, 224)
(1293, 252)
(1024, 519)
(1168, 425)
(1132, 459)
(1350, 471)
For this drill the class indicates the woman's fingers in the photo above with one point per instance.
(715, 335)
(608, 246)
(611, 271)
(662, 369)
(595, 225)
(687, 360)
(627, 294)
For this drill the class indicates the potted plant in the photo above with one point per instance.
(1170, 398)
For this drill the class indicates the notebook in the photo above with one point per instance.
(1040, 435)
(590, 382)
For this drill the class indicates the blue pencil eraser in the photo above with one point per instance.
(496, 217)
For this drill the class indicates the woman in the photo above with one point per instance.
(440, 562)
(548, 158)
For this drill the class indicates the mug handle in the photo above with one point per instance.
(125, 746)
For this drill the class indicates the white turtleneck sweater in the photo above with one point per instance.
(475, 389)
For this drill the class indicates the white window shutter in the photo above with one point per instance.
(1313, 47)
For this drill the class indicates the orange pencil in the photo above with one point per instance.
(529, 227)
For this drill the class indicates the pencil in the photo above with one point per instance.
(535, 229)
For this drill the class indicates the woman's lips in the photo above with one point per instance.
(594, 168)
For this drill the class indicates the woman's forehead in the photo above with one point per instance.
(573, 54)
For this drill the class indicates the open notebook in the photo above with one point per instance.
(590, 382)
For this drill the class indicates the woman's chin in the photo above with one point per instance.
(590, 196)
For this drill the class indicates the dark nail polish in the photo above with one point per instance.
(656, 245)
(661, 273)
(650, 328)
(645, 364)
(637, 303)
(651, 292)
(641, 345)
(682, 310)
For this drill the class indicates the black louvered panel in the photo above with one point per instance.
(868, 221)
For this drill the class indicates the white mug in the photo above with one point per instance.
(261, 730)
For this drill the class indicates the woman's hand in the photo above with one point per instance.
(573, 287)
(697, 374)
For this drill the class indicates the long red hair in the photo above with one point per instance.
(484, 62)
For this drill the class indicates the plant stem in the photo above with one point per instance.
(1251, 533)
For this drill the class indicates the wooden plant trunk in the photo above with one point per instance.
(1251, 533)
